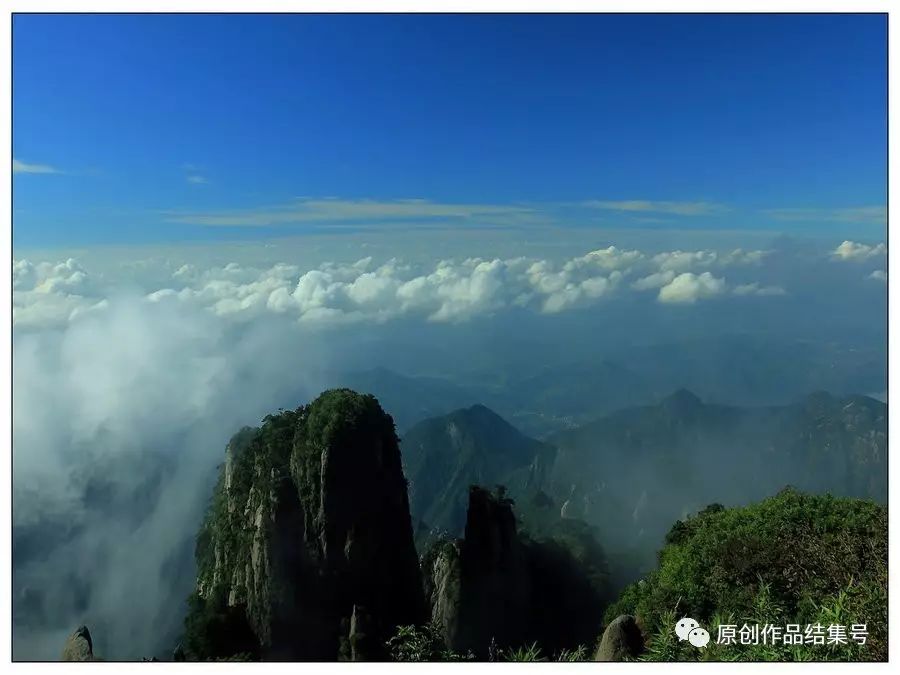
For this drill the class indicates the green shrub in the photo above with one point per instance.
(530, 652)
(793, 558)
(421, 643)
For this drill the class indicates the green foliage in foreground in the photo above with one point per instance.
(534, 652)
(793, 558)
(421, 643)
(424, 643)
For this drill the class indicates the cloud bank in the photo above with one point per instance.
(449, 290)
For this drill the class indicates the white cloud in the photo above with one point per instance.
(684, 261)
(741, 257)
(450, 291)
(653, 281)
(610, 258)
(581, 294)
(879, 275)
(856, 252)
(19, 166)
(196, 179)
(679, 261)
(48, 294)
(688, 287)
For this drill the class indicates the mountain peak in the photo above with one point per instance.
(681, 401)
(443, 456)
(481, 410)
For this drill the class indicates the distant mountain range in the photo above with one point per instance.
(409, 399)
(633, 472)
(555, 395)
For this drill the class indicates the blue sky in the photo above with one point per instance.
(155, 128)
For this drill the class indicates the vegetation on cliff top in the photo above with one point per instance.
(337, 418)
(790, 559)
(308, 525)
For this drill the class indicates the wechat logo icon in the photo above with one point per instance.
(690, 630)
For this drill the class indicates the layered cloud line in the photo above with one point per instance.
(47, 294)
(334, 211)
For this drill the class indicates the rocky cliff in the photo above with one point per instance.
(308, 537)
(496, 588)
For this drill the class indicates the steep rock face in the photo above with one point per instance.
(497, 586)
(310, 521)
(495, 575)
(478, 587)
(442, 576)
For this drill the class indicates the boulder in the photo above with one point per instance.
(78, 646)
(622, 639)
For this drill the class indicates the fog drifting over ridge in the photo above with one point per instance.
(127, 386)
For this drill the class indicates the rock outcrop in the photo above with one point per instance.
(79, 646)
(478, 587)
(442, 575)
(621, 640)
(309, 525)
(498, 588)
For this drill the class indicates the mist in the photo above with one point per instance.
(119, 423)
